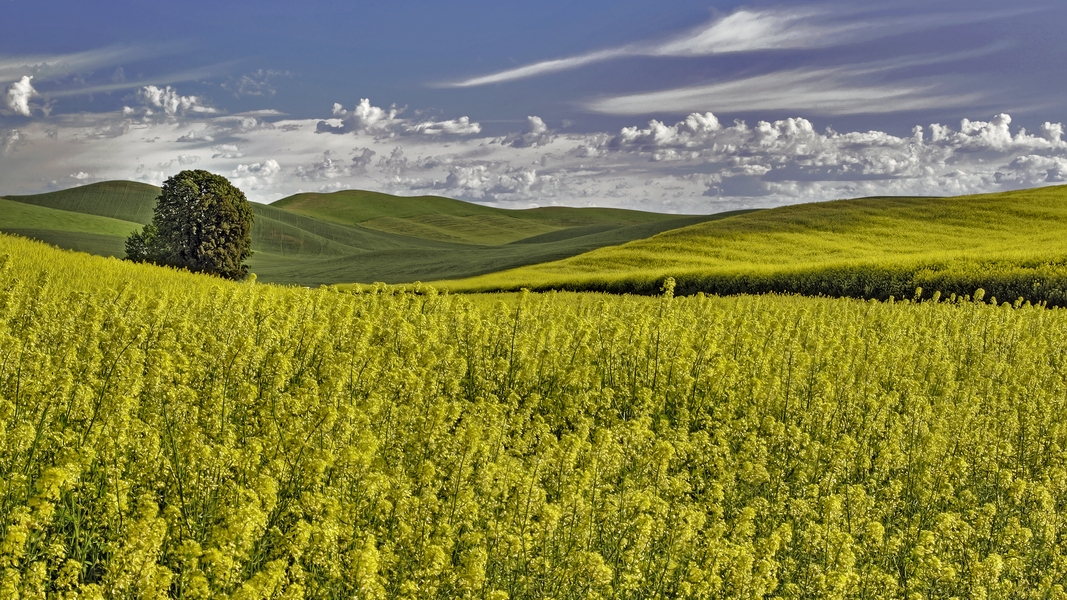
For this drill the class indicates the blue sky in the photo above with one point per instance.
(680, 106)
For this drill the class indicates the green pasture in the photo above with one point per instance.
(351, 236)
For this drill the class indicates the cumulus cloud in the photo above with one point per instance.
(362, 159)
(225, 151)
(395, 164)
(460, 126)
(183, 160)
(537, 134)
(255, 176)
(366, 119)
(10, 140)
(1033, 170)
(699, 163)
(789, 157)
(19, 94)
(695, 130)
(170, 101)
(196, 136)
(326, 168)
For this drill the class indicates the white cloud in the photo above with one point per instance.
(170, 101)
(460, 126)
(820, 91)
(183, 160)
(325, 169)
(58, 65)
(693, 164)
(257, 83)
(1052, 132)
(1034, 170)
(19, 94)
(225, 150)
(748, 30)
(367, 119)
(10, 140)
(361, 158)
(693, 131)
(545, 67)
(537, 134)
(80, 176)
(255, 176)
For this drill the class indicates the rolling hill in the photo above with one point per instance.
(1010, 244)
(351, 236)
(445, 219)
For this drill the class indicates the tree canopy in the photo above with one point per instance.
(202, 222)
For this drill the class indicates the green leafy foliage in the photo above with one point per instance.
(201, 223)
(164, 434)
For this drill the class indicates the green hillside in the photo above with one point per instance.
(314, 239)
(445, 219)
(1006, 243)
(75, 231)
(28, 216)
(123, 200)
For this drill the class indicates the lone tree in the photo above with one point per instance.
(202, 222)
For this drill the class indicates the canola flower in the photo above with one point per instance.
(166, 435)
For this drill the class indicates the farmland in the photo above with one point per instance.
(350, 236)
(1009, 244)
(168, 434)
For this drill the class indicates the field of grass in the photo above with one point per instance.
(18, 215)
(123, 200)
(448, 220)
(1011, 244)
(315, 239)
(164, 434)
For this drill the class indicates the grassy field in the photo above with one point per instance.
(1010, 244)
(123, 200)
(445, 219)
(315, 239)
(164, 434)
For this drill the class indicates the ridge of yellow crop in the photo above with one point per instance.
(874, 247)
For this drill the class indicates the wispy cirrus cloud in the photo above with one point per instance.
(61, 65)
(749, 30)
(544, 67)
(744, 30)
(836, 91)
(864, 88)
(195, 74)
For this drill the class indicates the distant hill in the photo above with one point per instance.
(123, 200)
(445, 219)
(1009, 244)
(349, 236)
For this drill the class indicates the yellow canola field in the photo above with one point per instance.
(1011, 244)
(170, 435)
